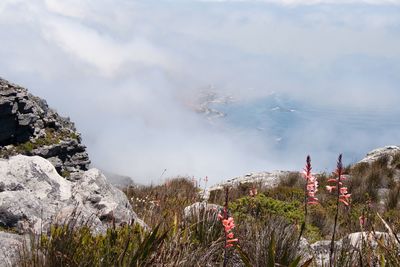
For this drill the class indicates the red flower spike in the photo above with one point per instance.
(311, 187)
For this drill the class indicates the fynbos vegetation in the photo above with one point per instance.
(249, 225)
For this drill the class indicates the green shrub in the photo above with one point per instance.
(318, 218)
(285, 193)
(261, 206)
(256, 236)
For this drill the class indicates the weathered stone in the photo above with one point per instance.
(321, 250)
(353, 241)
(26, 119)
(197, 209)
(387, 151)
(264, 179)
(34, 194)
(10, 246)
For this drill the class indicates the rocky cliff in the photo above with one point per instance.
(28, 126)
(38, 150)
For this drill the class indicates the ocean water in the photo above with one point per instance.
(293, 128)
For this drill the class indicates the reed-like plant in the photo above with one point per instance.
(342, 196)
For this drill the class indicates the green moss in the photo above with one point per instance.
(51, 137)
(74, 136)
(65, 174)
(26, 147)
(8, 230)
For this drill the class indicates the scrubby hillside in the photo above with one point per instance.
(261, 219)
(268, 219)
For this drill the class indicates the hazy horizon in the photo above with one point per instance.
(314, 77)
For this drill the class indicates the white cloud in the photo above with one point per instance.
(101, 50)
(124, 70)
(314, 2)
(72, 8)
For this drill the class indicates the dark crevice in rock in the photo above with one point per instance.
(8, 219)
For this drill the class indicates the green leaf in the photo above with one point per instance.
(382, 261)
(295, 263)
(148, 245)
(244, 257)
(271, 252)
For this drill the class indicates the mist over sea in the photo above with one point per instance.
(294, 78)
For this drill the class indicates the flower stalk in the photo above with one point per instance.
(229, 224)
(342, 196)
(310, 190)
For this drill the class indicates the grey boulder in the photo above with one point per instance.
(33, 196)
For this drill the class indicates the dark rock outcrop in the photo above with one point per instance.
(28, 126)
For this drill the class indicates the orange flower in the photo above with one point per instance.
(311, 183)
(228, 224)
(343, 195)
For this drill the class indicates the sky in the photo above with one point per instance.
(129, 74)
